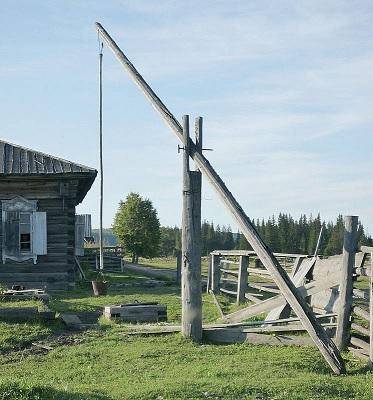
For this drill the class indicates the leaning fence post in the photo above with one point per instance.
(178, 268)
(191, 291)
(242, 278)
(215, 273)
(346, 285)
(209, 270)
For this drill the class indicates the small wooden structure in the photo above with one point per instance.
(38, 196)
(137, 312)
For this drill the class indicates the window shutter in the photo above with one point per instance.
(79, 234)
(11, 233)
(39, 233)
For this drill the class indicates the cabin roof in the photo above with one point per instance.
(21, 161)
(16, 159)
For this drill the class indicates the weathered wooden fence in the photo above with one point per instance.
(325, 283)
(361, 329)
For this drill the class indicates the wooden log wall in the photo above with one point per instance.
(55, 270)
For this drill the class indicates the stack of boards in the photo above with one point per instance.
(21, 294)
(137, 312)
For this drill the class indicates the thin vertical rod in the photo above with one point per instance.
(101, 162)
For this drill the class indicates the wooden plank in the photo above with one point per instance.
(224, 261)
(298, 304)
(242, 279)
(231, 281)
(215, 273)
(179, 268)
(346, 284)
(361, 294)
(360, 343)
(18, 313)
(298, 279)
(216, 302)
(264, 288)
(72, 321)
(209, 274)
(253, 253)
(257, 271)
(360, 329)
(366, 249)
(234, 335)
(228, 271)
(226, 291)
(366, 271)
(253, 298)
(359, 353)
(191, 292)
(361, 313)
(267, 305)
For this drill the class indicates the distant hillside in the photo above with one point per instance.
(109, 238)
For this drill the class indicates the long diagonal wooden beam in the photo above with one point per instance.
(289, 291)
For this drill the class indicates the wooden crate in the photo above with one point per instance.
(137, 312)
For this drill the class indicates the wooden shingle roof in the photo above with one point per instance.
(15, 159)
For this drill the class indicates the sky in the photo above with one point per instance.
(285, 89)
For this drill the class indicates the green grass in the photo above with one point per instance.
(109, 364)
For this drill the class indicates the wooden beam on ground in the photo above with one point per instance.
(227, 336)
(346, 284)
(279, 275)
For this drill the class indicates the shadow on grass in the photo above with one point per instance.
(13, 391)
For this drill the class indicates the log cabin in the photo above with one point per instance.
(38, 196)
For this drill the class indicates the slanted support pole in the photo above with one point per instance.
(191, 291)
(346, 285)
(242, 279)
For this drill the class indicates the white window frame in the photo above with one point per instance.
(21, 205)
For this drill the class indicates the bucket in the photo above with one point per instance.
(99, 288)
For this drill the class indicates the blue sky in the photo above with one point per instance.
(285, 89)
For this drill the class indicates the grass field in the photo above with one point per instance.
(108, 364)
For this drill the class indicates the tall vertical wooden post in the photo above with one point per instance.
(242, 278)
(346, 285)
(191, 291)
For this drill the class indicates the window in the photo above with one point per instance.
(24, 230)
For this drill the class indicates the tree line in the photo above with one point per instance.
(283, 234)
(136, 227)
